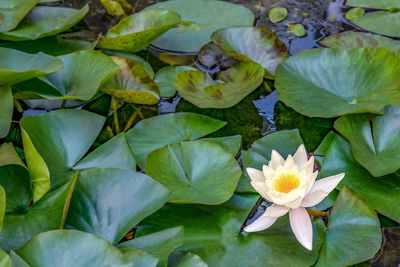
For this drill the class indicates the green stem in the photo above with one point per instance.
(18, 106)
(130, 121)
(139, 111)
(115, 115)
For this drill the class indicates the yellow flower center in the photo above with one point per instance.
(286, 183)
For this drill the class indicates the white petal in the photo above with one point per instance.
(255, 175)
(276, 160)
(262, 223)
(301, 226)
(289, 163)
(276, 211)
(300, 157)
(268, 172)
(261, 188)
(327, 184)
(314, 198)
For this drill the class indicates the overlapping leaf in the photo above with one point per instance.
(135, 32)
(45, 21)
(13, 11)
(258, 44)
(203, 17)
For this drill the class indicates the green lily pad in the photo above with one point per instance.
(367, 82)
(132, 84)
(5, 260)
(14, 178)
(350, 39)
(381, 193)
(135, 58)
(195, 172)
(139, 258)
(354, 242)
(3, 206)
(13, 11)
(48, 213)
(135, 32)
(54, 46)
(375, 141)
(381, 22)
(71, 248)
(83, 74)
(166, 77)
(213, 233)
(160, 244)
(378, 4)
(188, 259)
(157, 132)
(17, 66)
(134, 196)
(202, 17)
(277, 14)
(17, 260)
(256, 43)
(115, 153)
(6, 109)
(45, 21)
(230, 87)
(231, 144)
(60, 138)
(297, 29)
(354, 13)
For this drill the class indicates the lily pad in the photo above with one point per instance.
(72, 248)
(5, 260)
(375, 141)
(110, 202)
(203, 17)
(115, 153)
(48, 213)
(6, 109)
(213, 233)
(56, 138)
(84, 72)
(132, 84)
(157, 132)
(160, 244)
(188, 259)
(165, 79)
(297, 29)
(230, 87)
(378, 4)
(354, 242)
(135, 32)
(195, 172)
(13, 11)
(17, 66)
(231, 144)
(367, 82)
(277, 14)
(381, 22)
(256, 43)
(45, 21)
(350, 39)
(380, 192)
(14, 178)
(354, 13)
(54, 46)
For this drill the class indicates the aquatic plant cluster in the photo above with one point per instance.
(105, 176)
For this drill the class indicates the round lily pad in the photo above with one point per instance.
(354, 13)
(230, 87)
(135, 32)
(378, 4)
(203, 17)
(195, 172)
(297, 29)
(381, 22)
(329, 83)
(277, 14)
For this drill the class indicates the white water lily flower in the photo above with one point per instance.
(290, 185)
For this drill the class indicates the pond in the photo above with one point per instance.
(199, 133)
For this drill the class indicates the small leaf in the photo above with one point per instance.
(277, 14)
(354, 13)
(297, 29)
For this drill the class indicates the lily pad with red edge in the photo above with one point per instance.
(255, 43)
(227, 90)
